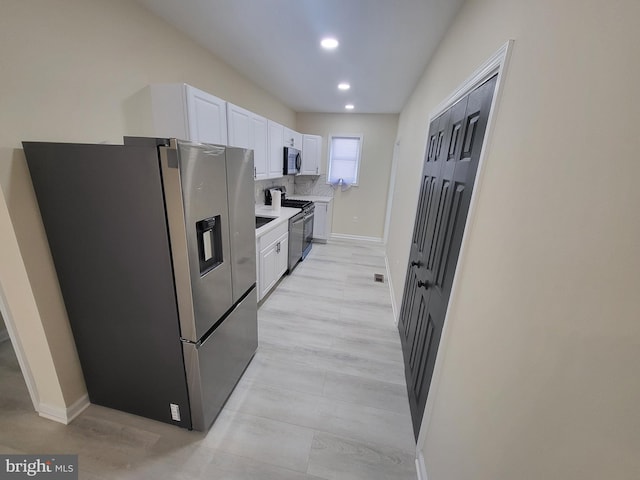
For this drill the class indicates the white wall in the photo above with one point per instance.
(359, 211)
(71, 71)
(540, 376)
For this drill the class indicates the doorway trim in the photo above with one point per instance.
(392, 183)
(496, 64)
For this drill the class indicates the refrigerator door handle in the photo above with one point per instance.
(178, 235)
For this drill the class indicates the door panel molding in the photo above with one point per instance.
(497, 64)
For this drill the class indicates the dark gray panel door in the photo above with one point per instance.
(450, 165)
(103, 210)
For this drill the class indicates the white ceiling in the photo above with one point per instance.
(384, 45)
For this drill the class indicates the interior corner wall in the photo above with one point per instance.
(17, 305)
(359, 211)
(71, 70)
(539, 372)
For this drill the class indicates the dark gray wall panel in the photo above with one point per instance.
(103, 211)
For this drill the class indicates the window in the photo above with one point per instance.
(344, 159)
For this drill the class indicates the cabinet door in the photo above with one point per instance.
(276, 150)
(273, 264)
(288, 139)
(260, 140)
(283, 256)
(297, 140)
(207, 117)
(320, 221)
(268, 269)
(240, 126)
(311, 155)
(292, 138)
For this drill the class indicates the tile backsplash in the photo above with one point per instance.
(300, 185)
(313, 185)
(261, 185)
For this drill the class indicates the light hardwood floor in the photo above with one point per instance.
(323, 398)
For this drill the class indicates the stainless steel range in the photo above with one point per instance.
(300, 231)
(300, 227)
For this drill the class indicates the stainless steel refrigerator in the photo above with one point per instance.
(154, 246)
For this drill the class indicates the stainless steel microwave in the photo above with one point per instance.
(292, 161)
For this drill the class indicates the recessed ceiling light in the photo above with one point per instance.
(329, 43)
(344, 86)
(349, 106)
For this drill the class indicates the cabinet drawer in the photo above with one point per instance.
(284, 238)
(273, 235)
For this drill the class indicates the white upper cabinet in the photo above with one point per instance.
(207, 116)
(311, 147)
(248, 130)
(275, 158)
(183, 111)
(292, 138)
(239, 126)
(260, 146)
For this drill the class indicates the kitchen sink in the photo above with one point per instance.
(260, 221)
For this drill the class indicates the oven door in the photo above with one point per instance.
(308, 232)
(296, 240)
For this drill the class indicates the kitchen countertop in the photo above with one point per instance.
(282, 216)
(311, 198)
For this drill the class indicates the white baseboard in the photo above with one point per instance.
(4, 335)
(394, 307)
(420, 467)
(356, 238)
(78, 407)
(64, 415)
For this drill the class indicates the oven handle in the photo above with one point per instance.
(297, 218)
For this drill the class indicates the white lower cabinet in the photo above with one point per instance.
(273, 254)
(322, 221)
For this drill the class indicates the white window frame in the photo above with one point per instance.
(360, 138)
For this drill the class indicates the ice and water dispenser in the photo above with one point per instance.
(209, 243)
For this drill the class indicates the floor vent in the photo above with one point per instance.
(378, 277)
